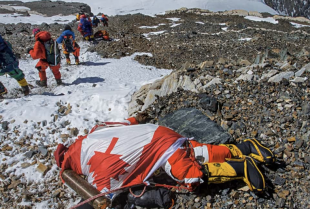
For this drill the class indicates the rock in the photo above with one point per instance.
(14, 184)
(245, 77)
(269, 74)
(306, 108)
(244, 63)
(298, 144)
(5, 125)
(43, 151)
(277, 78)
(280, 202)
(56, 193)
(279, 181)
(191, 122)
(44, 123)
(29, 154)
(25, 165)
(298, 80)
(208, 103)
(74, 131)
(283, 194)
(42, 168)
(64, 136)
(214, 81)
(306, 68)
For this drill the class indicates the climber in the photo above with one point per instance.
(67, 38)
(104, 20)
(9, 65)
(95, 21)
(130, 154)
(45, 49)
(85, 28)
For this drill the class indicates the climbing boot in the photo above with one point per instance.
(68, 61)
(252, 148)
(25, 90)
(2, 89)
(77, 62)
(236, 169)
(59, 82)
(42, 83)
(256, 150)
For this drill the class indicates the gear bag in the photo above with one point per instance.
(52, 52)
(68, 43)
(151, 198)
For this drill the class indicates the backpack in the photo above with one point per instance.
(86, 25)
(52, 52)
(68, 43)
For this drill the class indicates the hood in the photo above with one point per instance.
(43, 36)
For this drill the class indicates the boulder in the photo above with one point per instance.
(277, 78)
(191, 122)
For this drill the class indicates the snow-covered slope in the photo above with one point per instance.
(151, 7)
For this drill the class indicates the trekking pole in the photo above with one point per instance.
(84, 189)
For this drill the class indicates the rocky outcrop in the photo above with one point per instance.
(190, 122)
(291, 8)
(46, 8)
(198, 79)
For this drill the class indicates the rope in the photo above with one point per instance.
(103, 194)
(136, 196)
(93, 198)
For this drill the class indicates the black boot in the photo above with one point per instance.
(253, 148)
(25, 90)
(42, 83)
(252, 176)
(59, 82)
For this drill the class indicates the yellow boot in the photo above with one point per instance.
(234, 169)
(252, 148)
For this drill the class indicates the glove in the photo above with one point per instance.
(29, 49)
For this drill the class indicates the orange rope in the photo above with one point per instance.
(136, 196)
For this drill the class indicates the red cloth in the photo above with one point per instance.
(59, 154)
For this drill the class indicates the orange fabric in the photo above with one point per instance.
(72, 157)
(44, 66)
(217, 154)
(185, 167)
(76, 53)
(38, 51)
(133, 121)
(76, 48)
(162, 139)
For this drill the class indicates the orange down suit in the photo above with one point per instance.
(183, 165)
(38, 52)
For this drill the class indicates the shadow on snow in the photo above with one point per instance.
(87, 80)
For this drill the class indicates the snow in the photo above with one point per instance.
(245, 39)
(297, 25)
(152, 7)
(260, 19)
(35, 19)
(100, 90)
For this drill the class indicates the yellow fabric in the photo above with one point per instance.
(258, 157)
(234, 150)
(222, 179)
(23, 82)
(221, 169)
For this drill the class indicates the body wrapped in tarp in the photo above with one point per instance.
(119, 157)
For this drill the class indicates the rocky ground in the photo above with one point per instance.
(255, 71)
